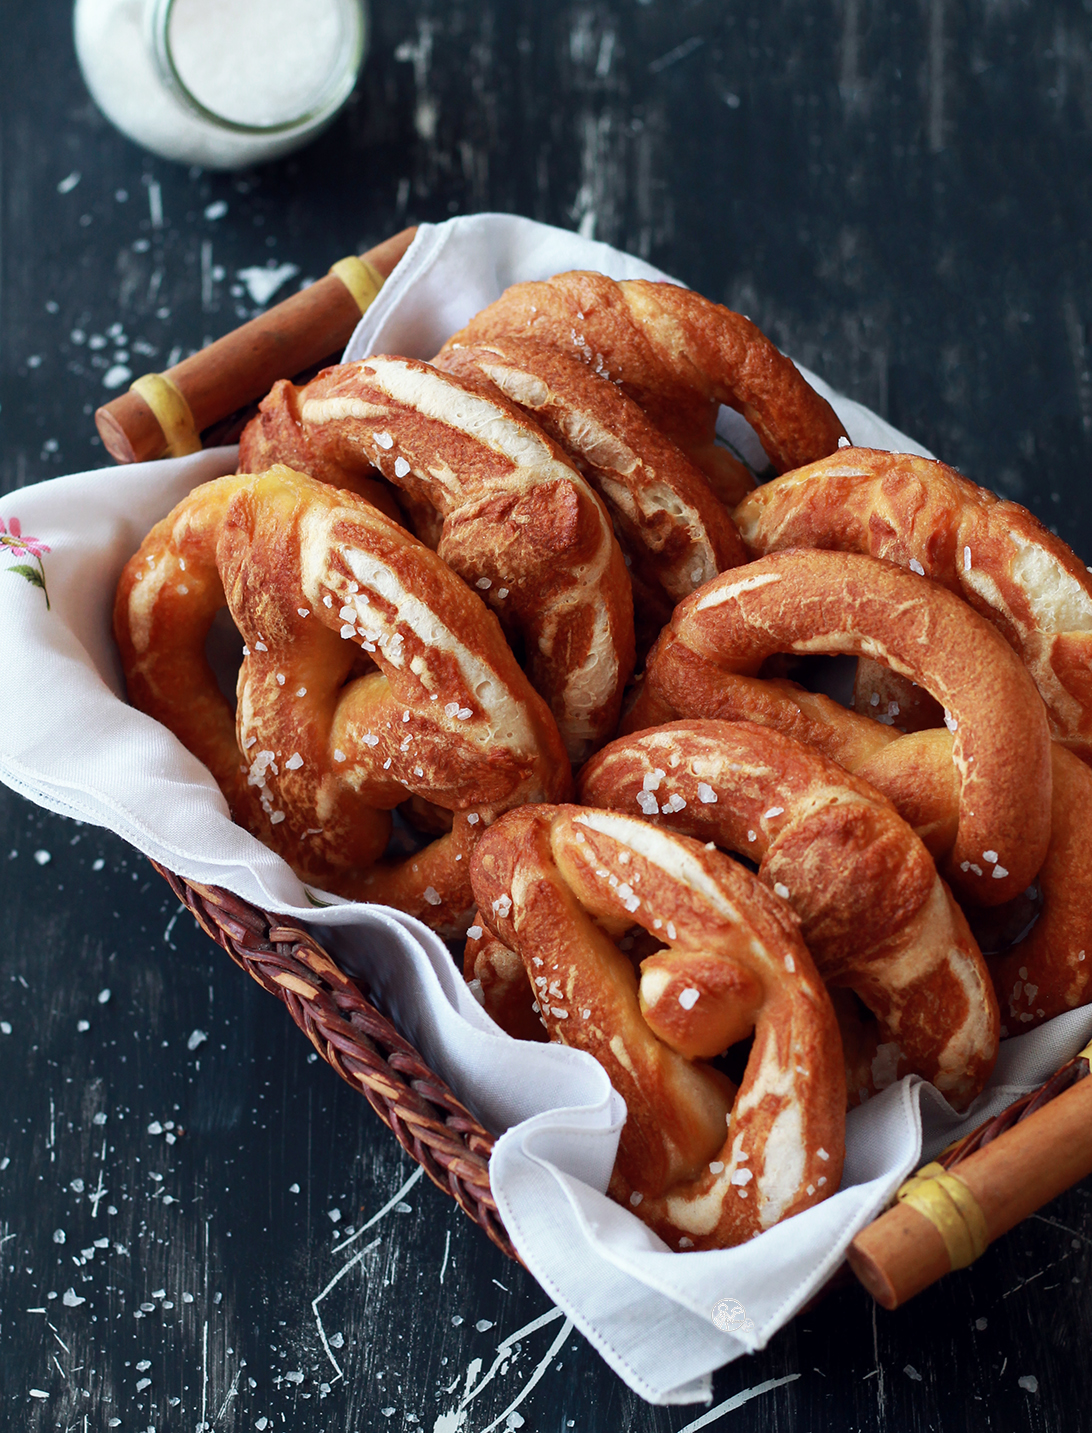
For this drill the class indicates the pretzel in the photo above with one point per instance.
(679, 356)
(873, 912)
(995, 555)
(674, 532)
(519, 522)
(1049, 970)
(276, 434)
(704, 664)
(316, 579)
(551, 881)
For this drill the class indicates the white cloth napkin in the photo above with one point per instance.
(69, 742)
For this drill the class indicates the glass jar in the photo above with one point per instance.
(220, 83)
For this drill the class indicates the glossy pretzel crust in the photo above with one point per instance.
(705, 665)
(994, 554)
(703, 1164)
(679, 356)
(875, 915)
(319, 583)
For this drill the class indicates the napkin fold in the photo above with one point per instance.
(69, 741)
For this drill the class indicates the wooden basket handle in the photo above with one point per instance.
(951, 1210)
(164, 414)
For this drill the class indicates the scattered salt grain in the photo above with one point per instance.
(689, 997)
(339, 755)
(635, 1198)
(432, 895)
(384, 440)
(706, 794)
(781, 890)
(401, 467)
(474, 932)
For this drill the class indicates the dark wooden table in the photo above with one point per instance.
(189, 1201)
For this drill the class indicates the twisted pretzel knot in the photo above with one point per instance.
(519, 523)
(996, 555)
(679, 356)
(796, 601)
(874, 914)
(551, 882)
(320, 583)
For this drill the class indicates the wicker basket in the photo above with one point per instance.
(361, 1044)
(369, 1053)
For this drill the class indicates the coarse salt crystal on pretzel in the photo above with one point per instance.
(705, 665)
(875, 915)
(315, 579)
(675, 533)
(519, 522)
(680, 356)
(704, 1164)
(996, 555)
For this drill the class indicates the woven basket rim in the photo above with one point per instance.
(369, 1052)
(359, 1042)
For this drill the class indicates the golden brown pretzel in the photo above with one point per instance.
(314, 579)
(875, 915)
(675, 533)
(679, 356)
(705, 661)
(1050, 969)
(276, 434)
(551, 881)
(995, 555)
(519, 522)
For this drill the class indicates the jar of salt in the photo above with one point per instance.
(220, 83)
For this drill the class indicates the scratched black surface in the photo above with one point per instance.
(900, 194)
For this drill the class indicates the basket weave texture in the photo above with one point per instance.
(368, 1052)
(360, 1043)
